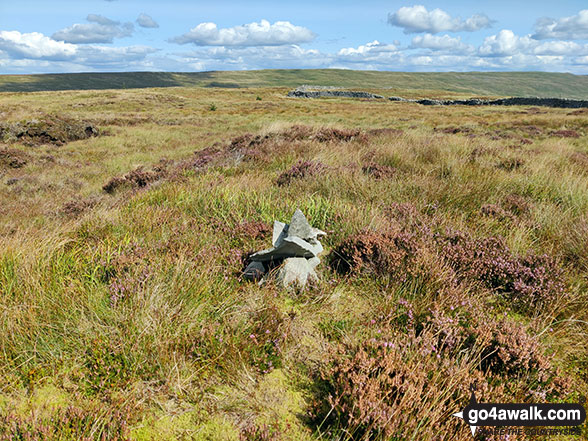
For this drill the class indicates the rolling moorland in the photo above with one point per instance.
(455, 256)
(540, 84)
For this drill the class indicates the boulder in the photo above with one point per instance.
(296, 271)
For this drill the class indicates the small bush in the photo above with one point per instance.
(96, 422)
(377, 253)
(389, 382)
(510, 164)
(300, 170)
(12, 158)
(378, 171)
(565, 133)
(528, 281)
(137, 178)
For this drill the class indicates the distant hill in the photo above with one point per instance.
(542, 84)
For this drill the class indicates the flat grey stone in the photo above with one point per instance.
(254, 271)
(299, 226)
(289, 247)
(296, 270)
(280, 232)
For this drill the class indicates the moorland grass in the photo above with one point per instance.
(128, 318)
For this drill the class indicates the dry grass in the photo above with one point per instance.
(120, 261)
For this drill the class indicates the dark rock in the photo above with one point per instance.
(254, 271)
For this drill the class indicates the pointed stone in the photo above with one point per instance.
(299, 226)
(280, 232)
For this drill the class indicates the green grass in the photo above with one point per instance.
(541, 84)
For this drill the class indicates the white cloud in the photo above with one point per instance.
(375, 47)
(34, 45)
(145, 21)
(35, 52)
(570, 28)
(99, 30)
(439, 43)
(507, 43)
(560, 48)
(415, 19)
(252, 34)
(267, 57)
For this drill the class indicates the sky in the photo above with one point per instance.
(55, 36)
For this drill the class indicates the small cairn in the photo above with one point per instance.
(295, 249)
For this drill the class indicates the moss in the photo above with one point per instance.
(189, 425)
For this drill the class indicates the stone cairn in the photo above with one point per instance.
(295, 247)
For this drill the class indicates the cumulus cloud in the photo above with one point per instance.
(266, 57)
(34, 45)
(145, 21)
(506, 43)
(252, 34)
(375, 47)
(100, 30)
(570, 28)
(439, 43)
(415, 19)
(35, 52)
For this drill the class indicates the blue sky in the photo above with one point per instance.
(130, 35)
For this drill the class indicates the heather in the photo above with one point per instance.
(455, 257)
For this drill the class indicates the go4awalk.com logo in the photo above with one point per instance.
(570, 415)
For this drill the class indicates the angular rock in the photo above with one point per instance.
(299, 226)
(280, 232)
(254, 271)
(289, 247)
(296, 270)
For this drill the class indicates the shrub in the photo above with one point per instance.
(527, 281)
(400, 383)
(12, 158)
(137, 178)
(388, 253)
(378, 171)
(495, 211)
(565, 133)
(300, 170)
(510, 164)
(96, 422)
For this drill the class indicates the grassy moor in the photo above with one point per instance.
(456, 255)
